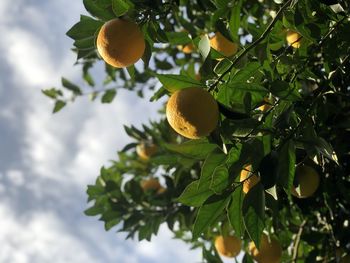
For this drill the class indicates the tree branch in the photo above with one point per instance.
(251, 46)
(297, 242)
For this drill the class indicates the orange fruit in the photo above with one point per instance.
(293, 39)
(151, 184)
(223, 45)
(249, 183)
(188, 49)
(228, 246)
(308, 180)
(145, 151)
(270, 250)
(120, 43)
(192, 112)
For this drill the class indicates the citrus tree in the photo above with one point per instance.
(251, 152)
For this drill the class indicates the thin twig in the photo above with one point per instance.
(297, 242)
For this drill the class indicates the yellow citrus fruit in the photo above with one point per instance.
(270, 250)
(249, 183)
(145, 151)
(228, 246)
(120, 43)
(265, 107)
(308, 180)
(151, 184)
(192, 112)
(294, 39)
(188, 49)
(223, 45)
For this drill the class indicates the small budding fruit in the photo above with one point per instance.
(192, 112)
(145, 151)
(120, 43)
(150, 185)
(223, 45)
(270, 250)
(228, 246)
(308, 180)
(248, 183)
(294, 39)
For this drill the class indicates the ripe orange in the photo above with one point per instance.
(270, 250)
(188, 49)
(251, 182)
(151, 184)
(293, 39)
(192, 112)
(228, 246)
(308, 180)
(223, 45)
(145, 151)
(120, 43)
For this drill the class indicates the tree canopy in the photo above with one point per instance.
(278, 160)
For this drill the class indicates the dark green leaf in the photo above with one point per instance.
(208, 213)
(86, 28)
(71, 86)
(193, 195)
(196, 149)
(234, 211)
(286, 165)
(175, 82)
(213, 160)
(109, 96)
(254, 213)
(59, 104)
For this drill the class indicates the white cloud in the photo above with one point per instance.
(38, 237)
(16, 177)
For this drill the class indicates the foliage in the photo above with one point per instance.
(307, 89)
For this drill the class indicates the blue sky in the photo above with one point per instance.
(47, 160)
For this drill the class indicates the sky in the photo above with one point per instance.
(47, 161)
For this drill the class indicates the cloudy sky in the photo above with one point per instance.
(47, 160)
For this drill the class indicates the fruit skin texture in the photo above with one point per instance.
(292, 38)
(308, 180)
(120, 43)
(192, 112)
(223, 45)
(151, 184)
(228, 246)
(249, 183)
(145, 151)
(270, 252)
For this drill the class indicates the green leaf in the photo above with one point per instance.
(178, 38)
(173, 82)
(268, 169)
(108, 96)
(254, 213)
(286, 165)
(208, 213)
(284, 91)
(325, 149)
(99, 9)
(59, 104)
(246, 73)
(204, 46)
(193, 195)
(52, 93)
(213, 160)
(234, 211)
(94, 210)
(196, 149)
(120, 7)
(235, 20)
(220, 179)
(86, 28)
(71, 86)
